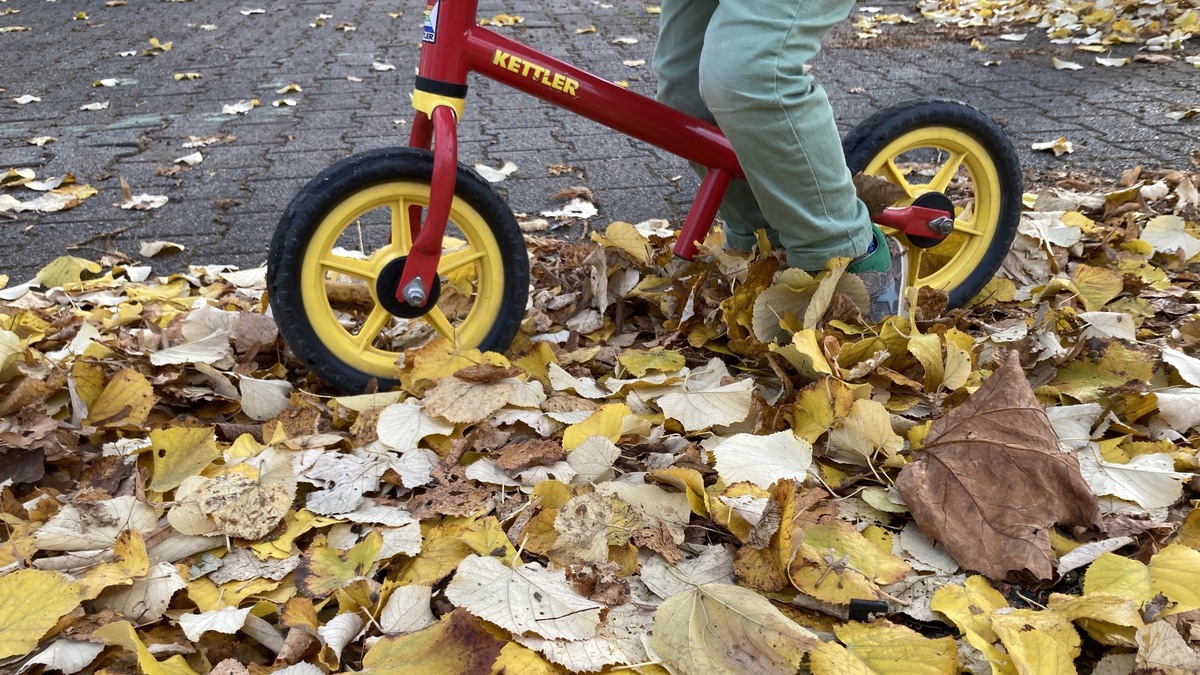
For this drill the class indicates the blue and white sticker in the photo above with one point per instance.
(429, 34)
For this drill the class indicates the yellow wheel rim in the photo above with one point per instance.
(962, 169)
(364, 338)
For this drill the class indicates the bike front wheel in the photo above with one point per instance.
(340, 248)
(953, 149)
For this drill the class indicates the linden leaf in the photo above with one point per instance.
(95, 525)
(1188, 367)
(1148, 480)
(588, 524)
(1038, 642)
(66, 270)
(593, 460)
(402, 426)
(1167, 234)
(619, 640)
(1108, 619)
(867, 430)
(1097, 286)
(125, 401)
(697, 408)
(324, 570)
(122, 634)
(625, 237)
(459, 643)
(694, 631)
(228, 620)
(639, 362)
(762, 460)
(147, 597)
(837, 564)
(1162, 649)
(180, 452)
(465, 402)
(714, 565)
(607, 421)
(31, 602)
(264, 399)
(243, 507)
(993, 482)
(407, 610)
(523, 599)
(888, 648)
(1180, 407)
(65, 656)
(1116, 575)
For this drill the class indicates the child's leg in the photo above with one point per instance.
(779, 122)
(677, 63)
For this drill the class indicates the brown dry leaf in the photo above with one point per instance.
(992, 482)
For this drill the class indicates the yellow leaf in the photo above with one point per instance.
(623, 235)
(606, 421)
(298, 523)
(694, 631)
(66, 270)
(122, 634)
(970, 606)
(927, 349)
(885, 648)
(958, 367)
(465, 402)
(442, 549)
(1175, 572)
(459, 643)
(1117, 575)
(209, 597)
(805, 354)
(1097, 286)
(487, 537)
(1189, 532)
(819, 405)
(688, 480)
(837, 564)
(31, 602)
(439, 358)
(324, 570)
(1040, 643)
(517, 660)
(867, 430)
(1109, 619)
(133, 562)
(640, 362)
(180, 452)
(125, 401)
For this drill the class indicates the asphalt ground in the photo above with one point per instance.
(223, 210)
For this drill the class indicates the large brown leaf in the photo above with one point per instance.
(993, 481)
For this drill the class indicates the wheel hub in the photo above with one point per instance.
(385, 289)
(933, 200)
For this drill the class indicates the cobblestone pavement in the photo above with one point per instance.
(224, 209)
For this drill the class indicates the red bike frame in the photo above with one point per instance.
(454, 45)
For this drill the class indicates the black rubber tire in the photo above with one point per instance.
(321, 195)
(872, 135)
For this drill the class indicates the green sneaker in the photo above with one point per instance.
(885, 285)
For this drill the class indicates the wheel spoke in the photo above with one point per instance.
(402, 215)
(916, 257)
(375, 322)
(895, 176)
(363, 269)
(966, 227)
(941, 181)
(457, 259)
(441, 324)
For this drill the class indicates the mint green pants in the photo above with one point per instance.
(740, 64)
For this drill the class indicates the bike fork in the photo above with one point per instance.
(420, 270)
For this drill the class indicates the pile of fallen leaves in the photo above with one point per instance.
(703, 467)
(1157, 25)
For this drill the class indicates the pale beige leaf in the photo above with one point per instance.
(264, 399)
(763, 460)
(1162, 649)
(1188, 367)
(698, 409)
(618, 641)
(148, 597)
(95, 525)
(407, 610)
(593, 460)
(228, 620)
(714, 565)
(561, 380)
(1148, 480)
(65, 656)
(404, 425)
(523, 599)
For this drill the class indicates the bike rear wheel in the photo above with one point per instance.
(342, 243)
(954, 149)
